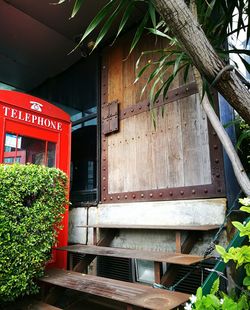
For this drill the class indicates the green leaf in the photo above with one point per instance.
(59, 2)
(141, 72)
(243, 303)
(186, 72)
(159, 33)
(247, 268)
(177, 63)
(229, 304)
(199, 293)
(125, 18)
(146, 53)
(246, 281)
(103, 13)
(139, 32)
(245, 201)
(215, 286)
(152, 13)
(108, 23)
(244, 135)
(245, 209)
(212, 301)
(77, 6)
(238, 225)
(220, 250)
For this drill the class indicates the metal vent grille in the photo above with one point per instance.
(115, 268)
(194, 279)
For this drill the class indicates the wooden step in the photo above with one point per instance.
(171, 258)
(124, 292)
(155, 227)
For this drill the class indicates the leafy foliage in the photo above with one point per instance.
(32, 201)
(239, 255)
(219, 19)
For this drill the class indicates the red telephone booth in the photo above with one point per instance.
(35, 131)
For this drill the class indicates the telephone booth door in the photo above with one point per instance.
(34, 131)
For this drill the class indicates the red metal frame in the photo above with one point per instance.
(26, 115)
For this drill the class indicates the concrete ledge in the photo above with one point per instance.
(181, 212)
(77, 218)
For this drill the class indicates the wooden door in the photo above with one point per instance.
(179, 158)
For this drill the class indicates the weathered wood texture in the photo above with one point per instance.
(174, 154)
(124, 292)
(171, 258)
(141, 157)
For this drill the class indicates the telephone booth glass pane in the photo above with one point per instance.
(21, 149)
(51, 154)
(35, 150)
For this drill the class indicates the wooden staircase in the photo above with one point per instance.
(130, 295)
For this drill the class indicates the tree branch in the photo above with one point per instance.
(194, 42)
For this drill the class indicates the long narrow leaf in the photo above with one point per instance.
(152, 96)
(139, 32)
(159, 70)
(152, 14)
(146, 53)
(141, 72)
(125, 18)
(246, 64)
(245, 135)
(59, 2)
(97, 19)
(170, 80)
(76, 8)
(239, 51)
(159, 33)
(108, 23)
(177, 63)
(186, 72)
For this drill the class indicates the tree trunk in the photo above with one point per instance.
(187, 30)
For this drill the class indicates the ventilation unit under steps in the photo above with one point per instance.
(115, 268)
(189, 278)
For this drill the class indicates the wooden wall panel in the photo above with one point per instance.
(174, 154)
(115, 75)
(141, 157)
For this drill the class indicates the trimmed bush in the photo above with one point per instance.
(32, 201)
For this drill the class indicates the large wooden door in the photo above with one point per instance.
(179, 158)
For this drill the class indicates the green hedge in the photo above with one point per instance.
(32, 201)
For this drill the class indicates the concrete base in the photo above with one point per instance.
(181, 212)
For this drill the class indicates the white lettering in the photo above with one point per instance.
(6, 109)
(20, 116)
(32, 118)
(27, 117)
(13, 113)
(53, 124)
(40, 121)
(59, 126)
(47, 122)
